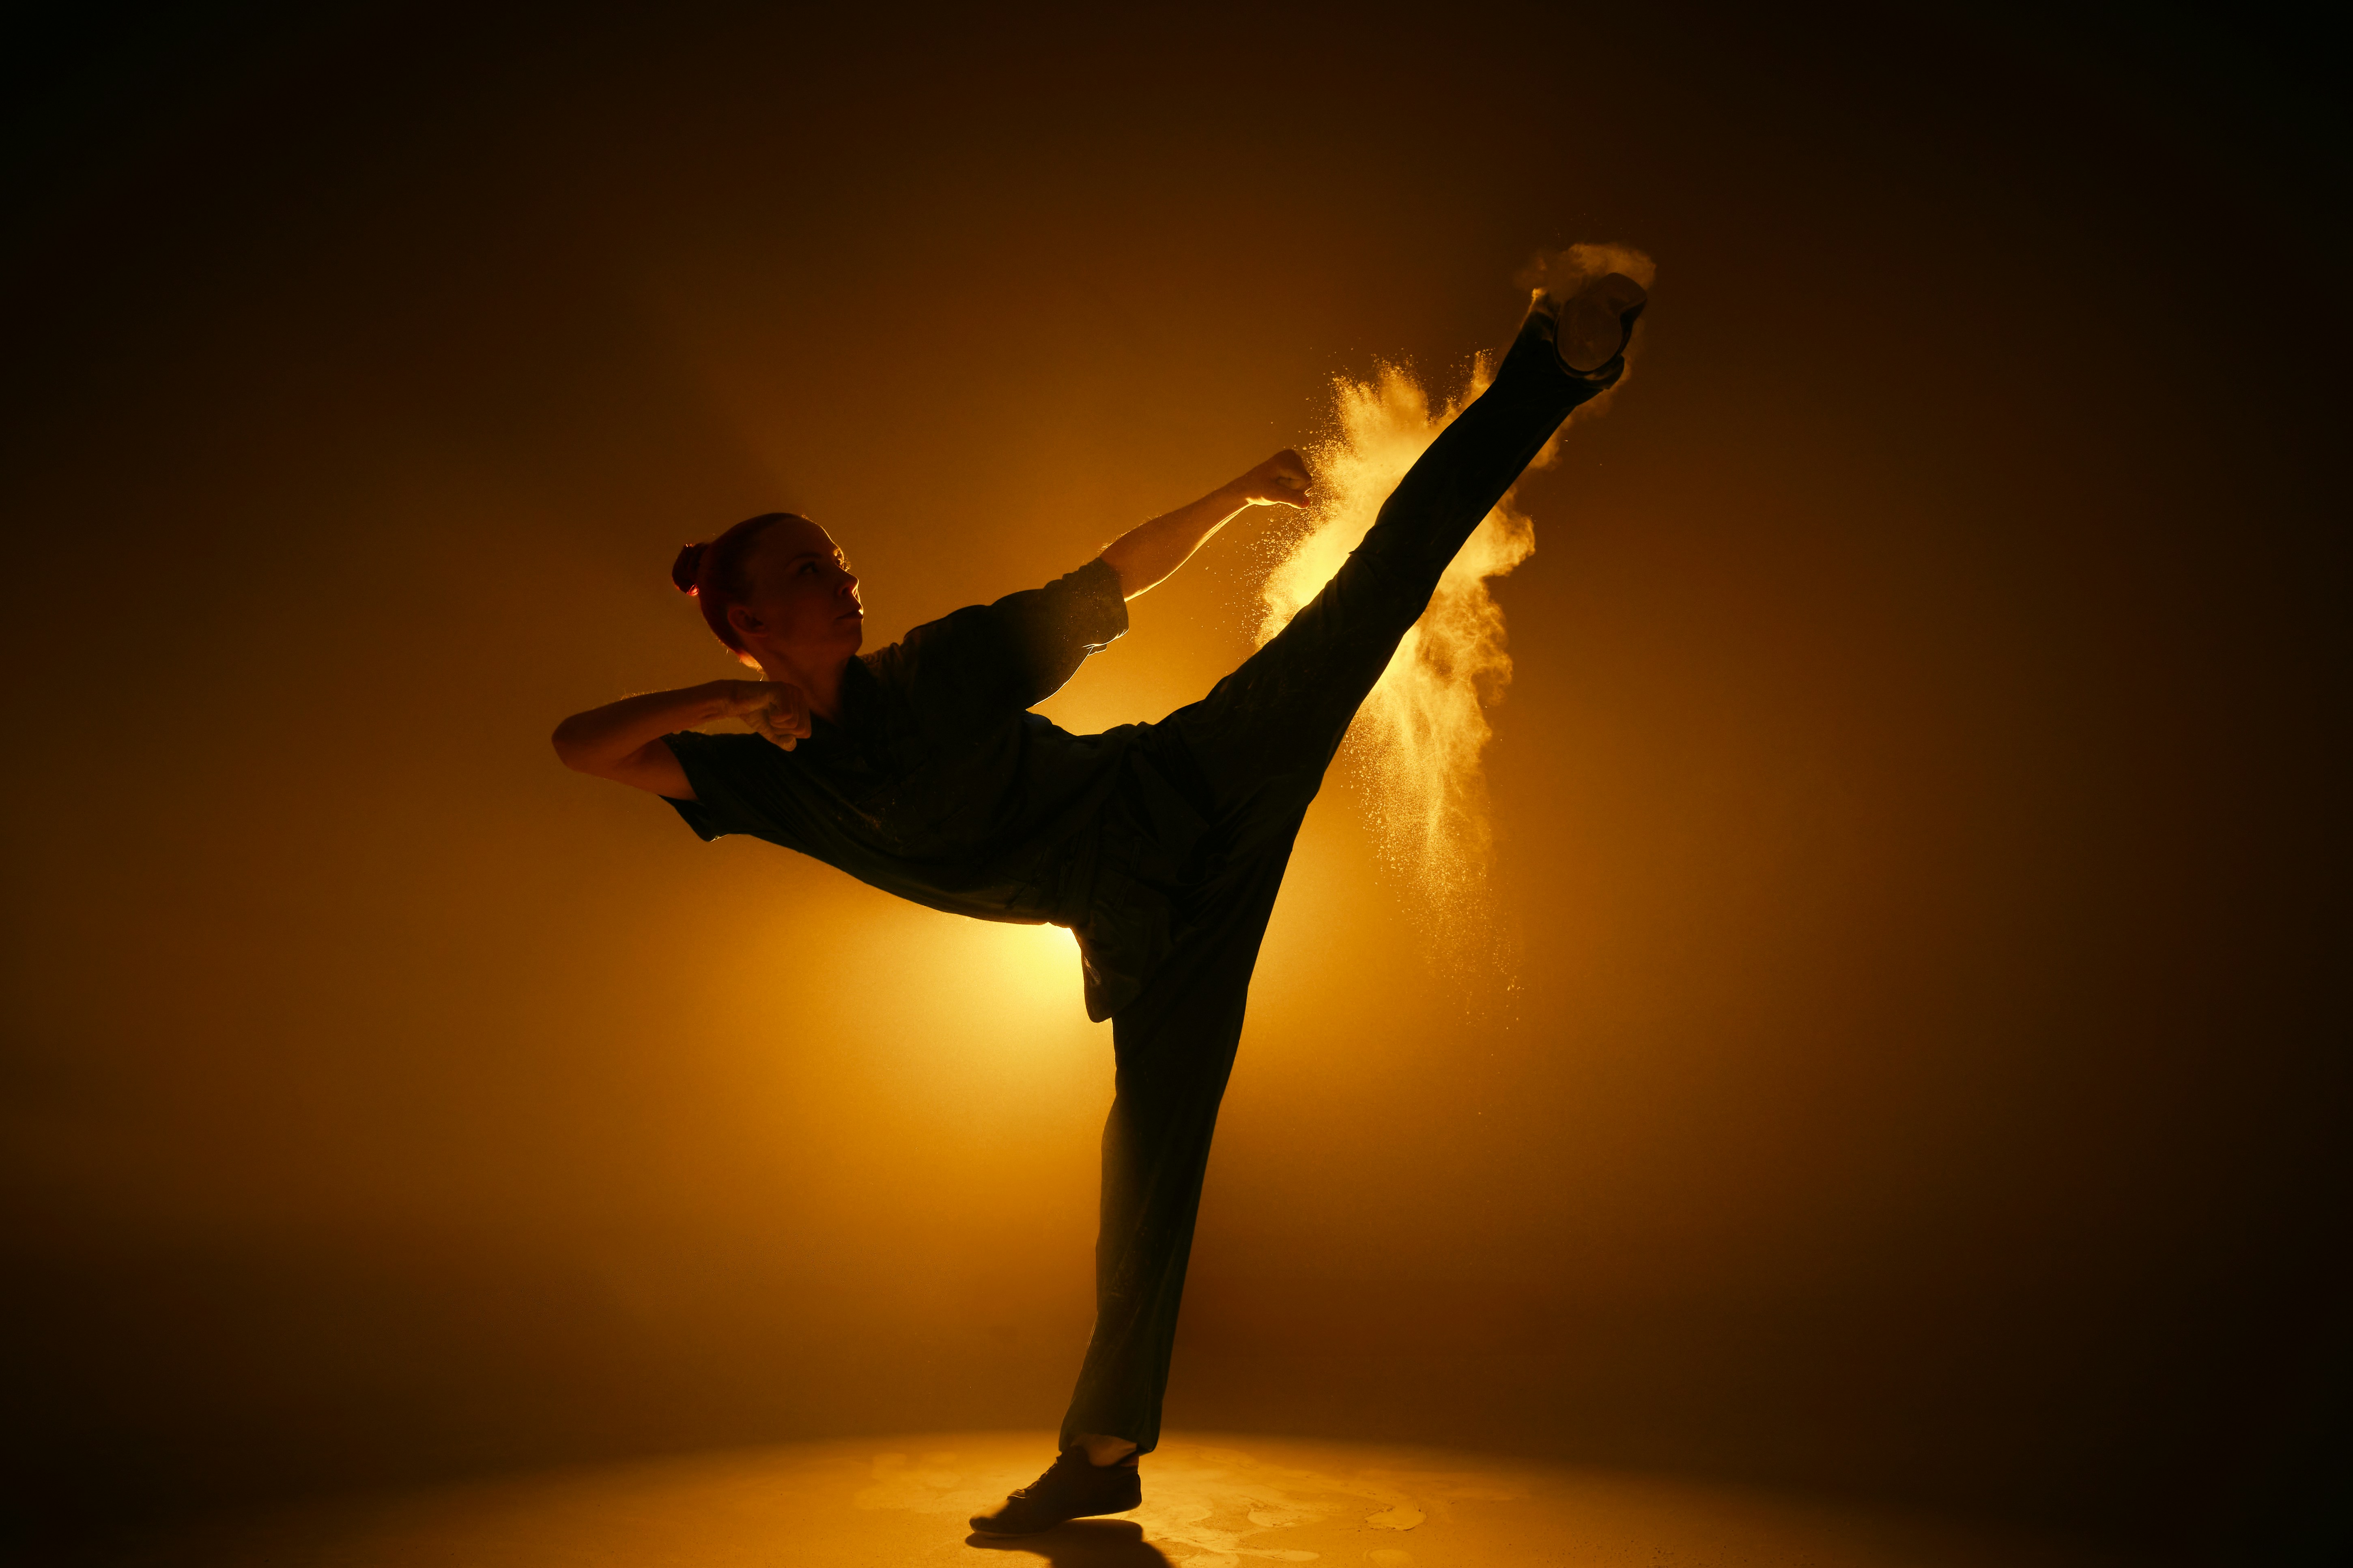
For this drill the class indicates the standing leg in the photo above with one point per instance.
(1176, 1044)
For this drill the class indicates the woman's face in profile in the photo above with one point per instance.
(804, 597)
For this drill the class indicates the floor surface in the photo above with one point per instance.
(1209, 1502)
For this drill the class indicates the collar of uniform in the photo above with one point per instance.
(861, 709)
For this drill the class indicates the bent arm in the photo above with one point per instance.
(622, 741)
(1148, 552)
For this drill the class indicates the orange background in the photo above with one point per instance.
(1917, 796)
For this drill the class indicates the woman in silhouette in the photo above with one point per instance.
(919, 769)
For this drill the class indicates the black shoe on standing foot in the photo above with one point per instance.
(1596, 324)
(1071, 1489)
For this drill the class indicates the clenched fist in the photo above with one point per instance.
(776, 710)
(1281, 480)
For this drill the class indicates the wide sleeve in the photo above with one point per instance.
(1022, 649)
(736, 786)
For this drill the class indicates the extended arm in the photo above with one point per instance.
(1149, 551)
(622, 741)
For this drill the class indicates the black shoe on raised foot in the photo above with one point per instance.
(1071, 1489)
(1597, 322)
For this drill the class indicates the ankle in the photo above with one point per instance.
(1104, 1450)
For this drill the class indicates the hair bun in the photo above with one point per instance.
(688, 567)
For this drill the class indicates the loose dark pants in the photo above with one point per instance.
(1250, 757)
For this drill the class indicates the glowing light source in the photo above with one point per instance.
(1025, 965)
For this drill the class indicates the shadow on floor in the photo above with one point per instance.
(1082, 1543)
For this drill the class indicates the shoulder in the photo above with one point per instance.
(1010, 653)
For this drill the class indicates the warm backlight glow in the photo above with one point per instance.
(1033, 964)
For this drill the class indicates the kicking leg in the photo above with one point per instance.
(1288, 706)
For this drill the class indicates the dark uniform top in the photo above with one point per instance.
(939, 786)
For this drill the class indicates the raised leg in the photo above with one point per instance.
(1286, 708)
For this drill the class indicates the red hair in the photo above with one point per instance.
(712, 572)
